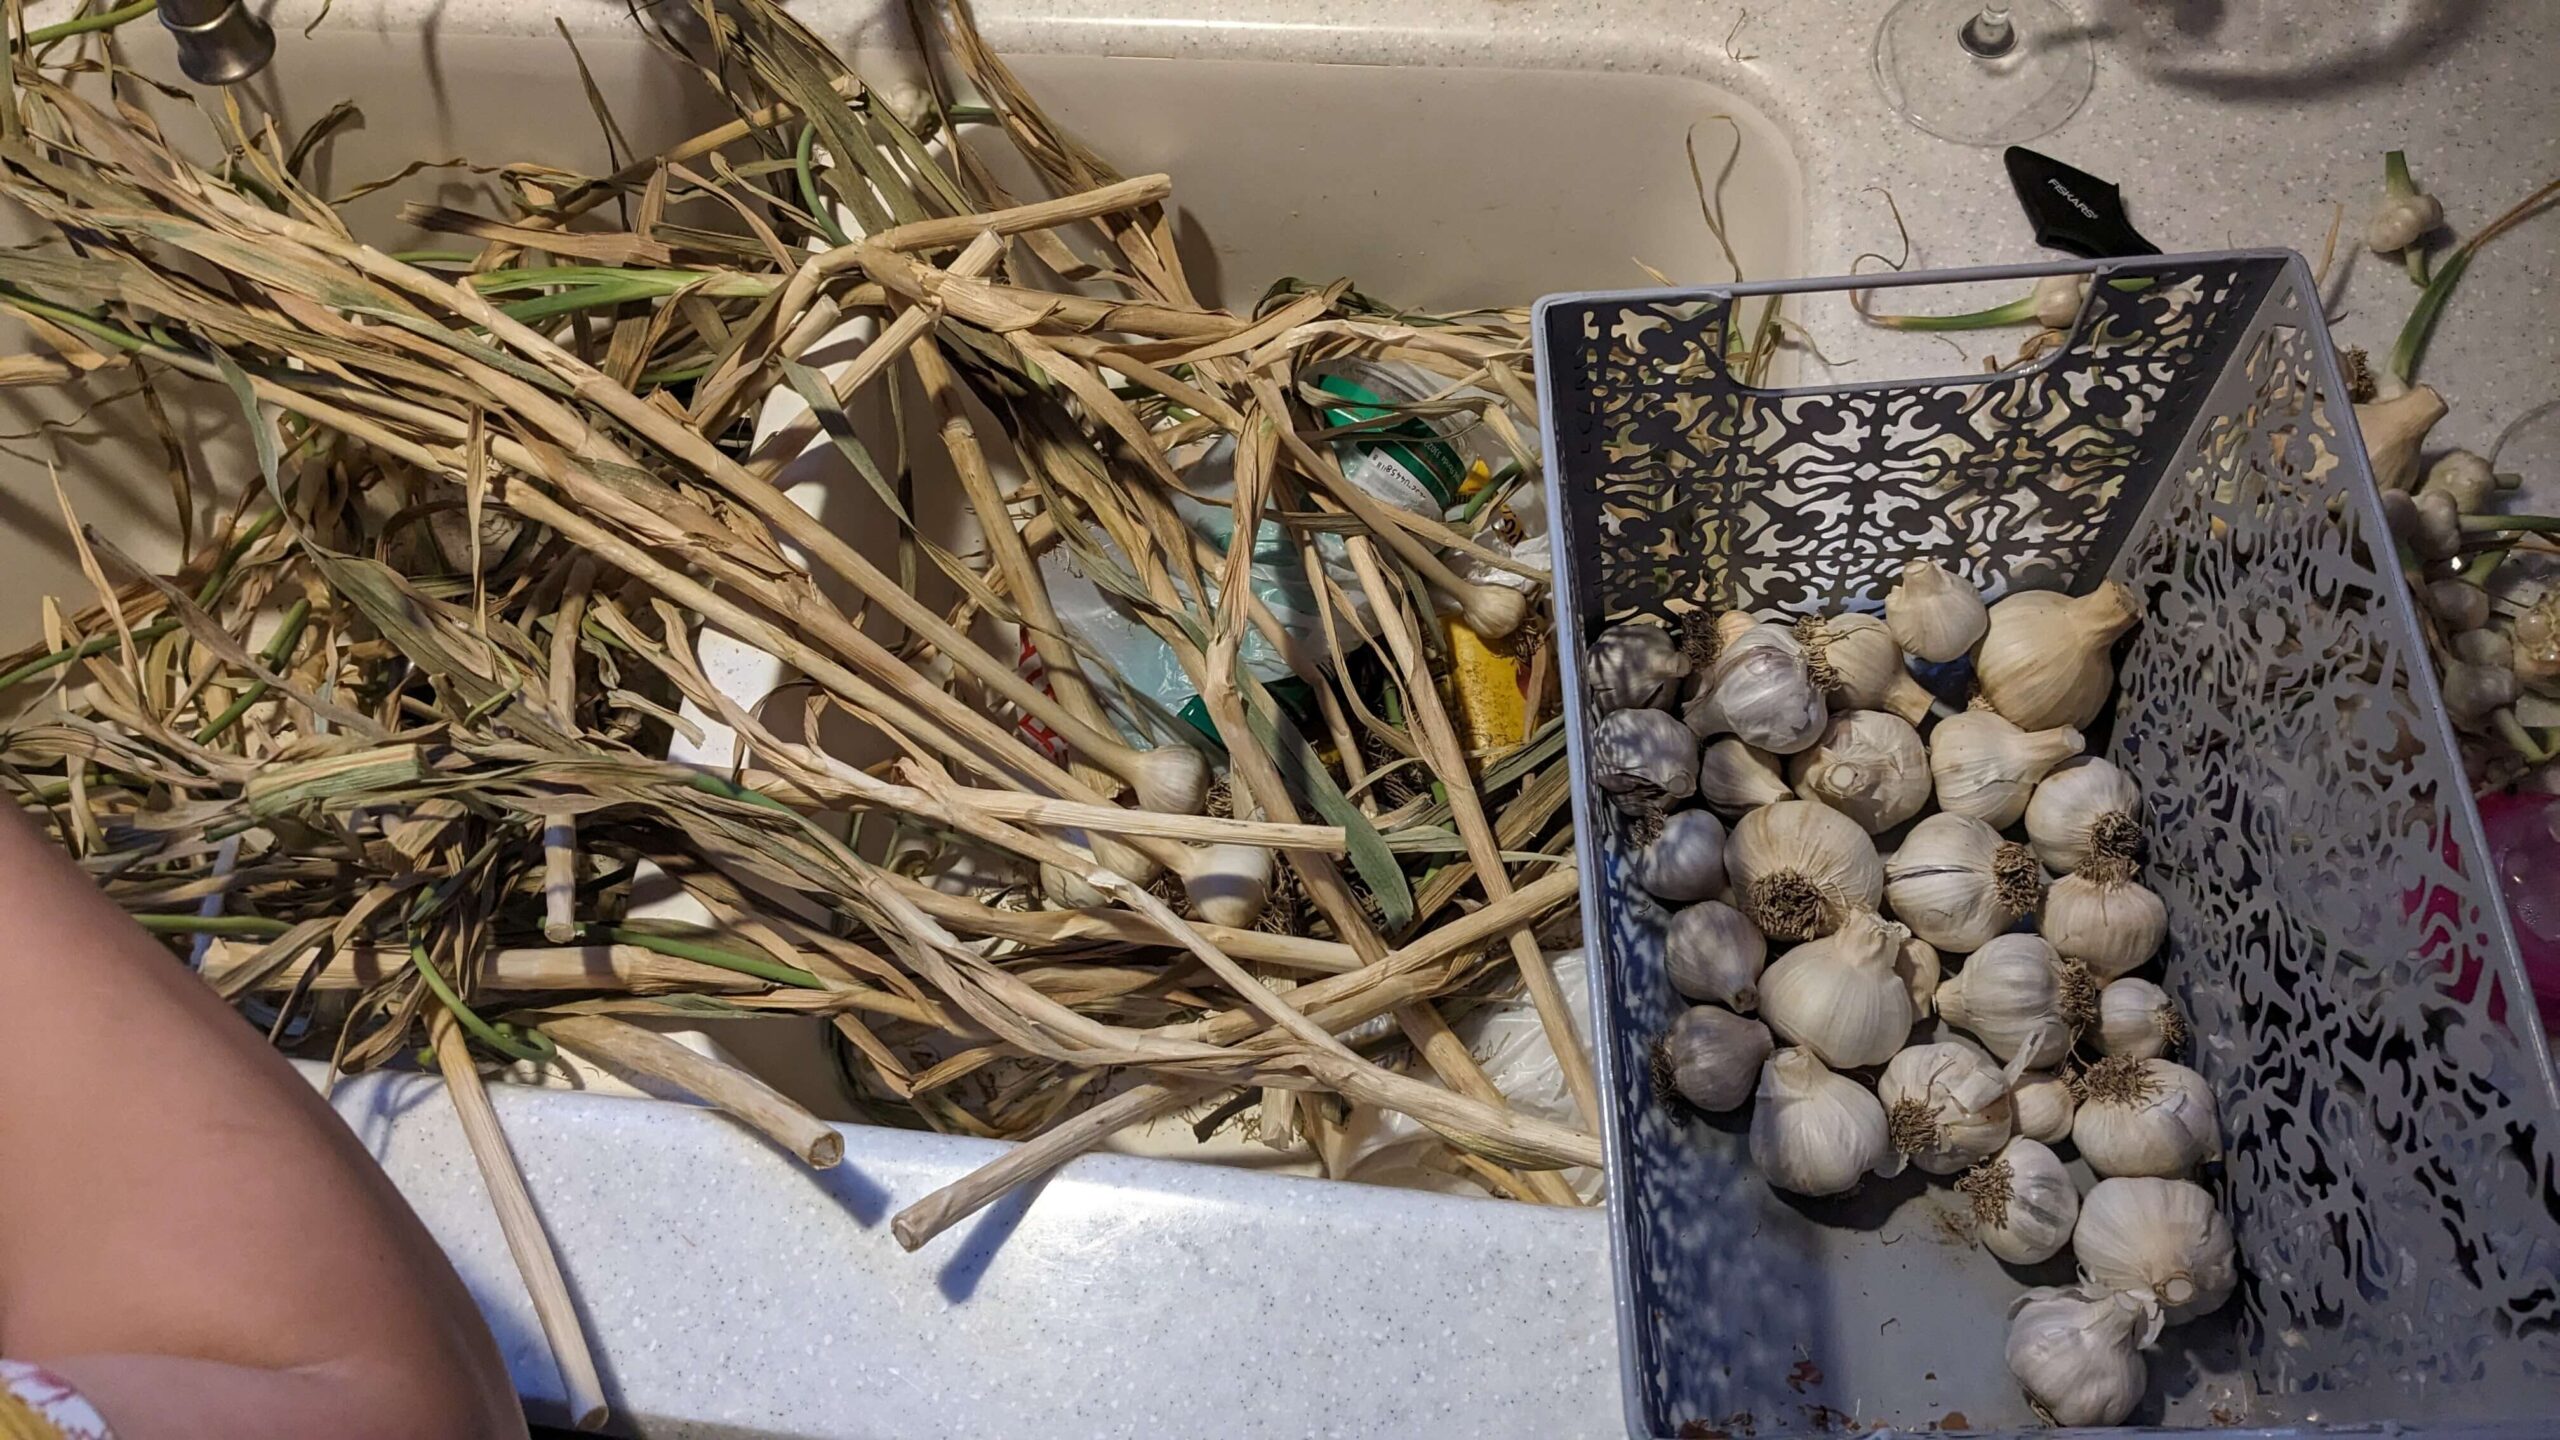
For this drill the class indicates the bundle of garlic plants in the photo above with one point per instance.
(1966, 1002)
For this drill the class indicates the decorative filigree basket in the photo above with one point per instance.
(2358, 1002)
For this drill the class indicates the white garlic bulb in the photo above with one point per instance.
(1917, 963)
(2009, 996)
(1933, 613)
(2144, 1117)
(2137, 1019)
(1857, 659)
(1645, 759)
(1632, 666)
(1798, 868)
(2044, 661)
(2078, 1356)
(1231, 884)
(1712, 953)
(2113, 925)
(1685, 862)
(2086, 810)
(1711, 1058)
(1957, 884)
(1735, 777)
(1945, 1106)
(2024, 1203)
(1763, 691)
(1985, 767)
(2161, 1238)
(1814, 1132)
(2043, 1104)
(1839, 996)
(1868, 765)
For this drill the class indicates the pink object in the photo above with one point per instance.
(2524, 852)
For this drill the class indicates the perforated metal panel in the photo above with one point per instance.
(2360, 1008)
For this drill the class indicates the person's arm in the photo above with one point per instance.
(187, 1233)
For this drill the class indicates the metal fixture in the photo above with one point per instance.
(220, 42)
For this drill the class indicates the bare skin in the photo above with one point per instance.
(187, 1233)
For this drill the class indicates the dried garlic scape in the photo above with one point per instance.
(1685, 862)
(1710, 1057)
(1869, 766)
(2009, 996)
(2043, 1105)
(1799, 868)
(1946, 1106)
(1985, 767)
(1840, 996)
(1645, 759)
(2078, 1356)
(1814, 1132)
(1637, 665)
(2104, 919)
(2024, 1203)
(2144, 1117)
(1735, 777)
(1712, 953)
(2086, 811)
(1957, 884)
(2044, 660)
(2164, 1239)
(2136, 1019)
(1933, 613)
(1856, 659)
(1762, 690)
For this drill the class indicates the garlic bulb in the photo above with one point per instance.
(1710, 1057)
(1816, 1133)
(2144, 1117)
(1686, 861)
(1869, 766)
(1231, 885)
(2078, 1355)
(1636, 665)
(2085, 810)
(1933, 613)
(1735, 777)
(1957, 884)
(1711, 953)
(2136, 1019)
(1839, 996)
(2058, 299)
(1945, 1106)
(2043, 662)
(2112, 925)
(1917, 963)
(2043, 1104)
(2024, 1203)
(1799, 868)
(1985, 767)
(1763, 691)
(2162, 1238)
(1645, 759)
(1857, 659)
(2009, 996)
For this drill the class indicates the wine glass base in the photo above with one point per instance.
(1929, 68)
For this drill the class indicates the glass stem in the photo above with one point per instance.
(1989, 34)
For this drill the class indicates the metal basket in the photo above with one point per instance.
(2352, 978)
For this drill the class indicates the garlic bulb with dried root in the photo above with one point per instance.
(2164, 1239)
(1945, 1106)
(2024, 1203)
(1986, 768)
(1712, 953)
(1957, 884)
(2104, 919)
(1763, 691)
(2044, 659)
(1710, 1057)
(1933, 613)
(2044, 1105)
(1645, 759)
(1685, 862)
(2078, 1355)
(1858, 661)
(1814, 1132)
(1637, 665)
(1869, 766)
(1798, 869)
(2136, 1019)
(2009, 996)
(2087, 811)
(1839, 996)
(1735, 777)
(2145, 1117)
